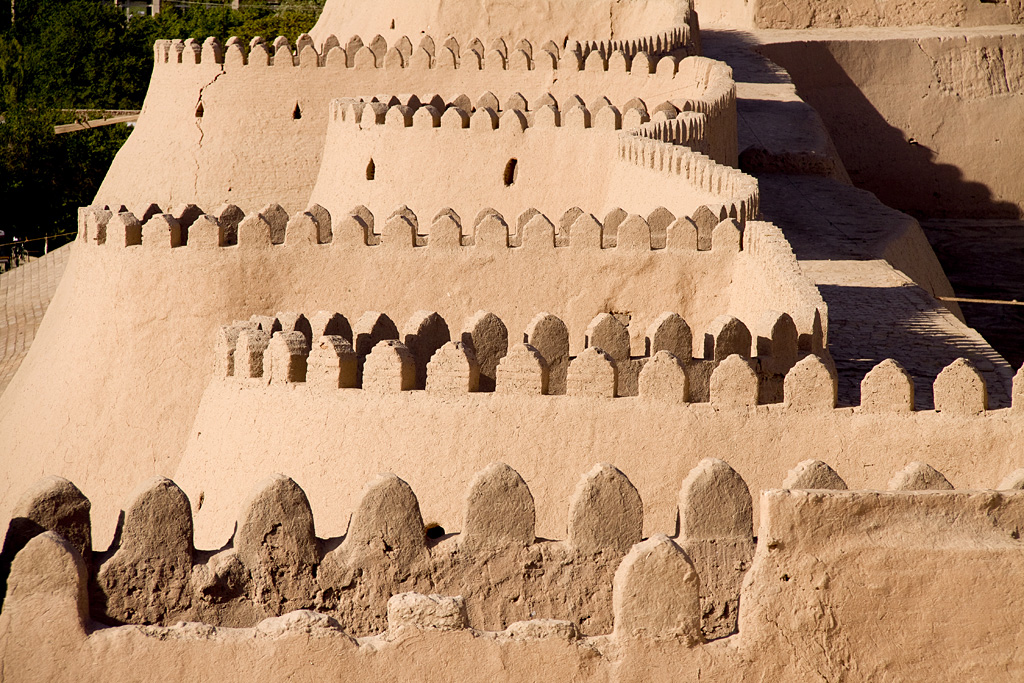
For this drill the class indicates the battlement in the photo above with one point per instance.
(188, 226)
(603, 584)
(326, 351)
(737, 371)
(291, 118)
(516, 115)
(634, 55)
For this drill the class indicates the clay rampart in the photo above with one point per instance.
(430, 53)
(814, 544)
(327, 351)
(177, 298)
(698, 253)
(375, 150)
(602, 23)
(274, 119)
(659, 433)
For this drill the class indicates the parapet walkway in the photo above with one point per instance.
(875, 311)
(25, 294)
(872, 263)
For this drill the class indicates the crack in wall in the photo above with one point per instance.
(202, 134)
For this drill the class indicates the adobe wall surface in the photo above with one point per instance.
(465, 169)
(248, 146)
(330, 441)
(931, 137)
(892, 588)
(776, 14)
(491, 20)
(833, 580)
(108, 412)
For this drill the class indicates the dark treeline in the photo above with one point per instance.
(57, 56)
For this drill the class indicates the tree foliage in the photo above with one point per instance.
(57, 56)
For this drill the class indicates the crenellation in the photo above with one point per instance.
(565, 585)
(606, 513)
(727, 235)
(549, 336)
(146, 580)
(605, 366)
(919, 476)
(453, 369)
(811, 385)
(608, 333)
(122, 230)
(354, 44)
(393, 59)
(389, 368)
(161, 231)
(656, 594)
(716, 533)
(726, 335)
(277, 218)
(423, 334)
(664, 378)
(227, 342)
(593, 373)
(51, 504)
(522, 371)
(813, 474)
(669, 332)
(302, 229)
(268, 323)
(285, 357)
(498, 511)
(276, 542)
(960, 389)
(206, 233)
(191, 51)
(734, 384)
(776, 342)
(887, 387)
(633, 234)
(364, 59)
(248, 356)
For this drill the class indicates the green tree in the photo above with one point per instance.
(61, 55)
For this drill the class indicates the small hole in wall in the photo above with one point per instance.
(199, 111)
(371, 170)
(392, 24)
(297, 114)
(511, 171)
(434, 530)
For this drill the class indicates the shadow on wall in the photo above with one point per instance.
(911, 328)
(878, 156)
(982, 260)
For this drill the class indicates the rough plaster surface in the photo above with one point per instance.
(849, 565)
(668, 332)
(933, 137)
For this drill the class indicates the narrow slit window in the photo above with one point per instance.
(199, 111)
(297, 114)
(511, 171)
(371, 170)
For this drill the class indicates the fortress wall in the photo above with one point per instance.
(248, 146)
(932, 136)
(329, 440)
(876, 563)
(493, 20)
(892, 581)
(465, 169)
(471, 168)
(788, 15)
(772, 279)
(106, 413)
